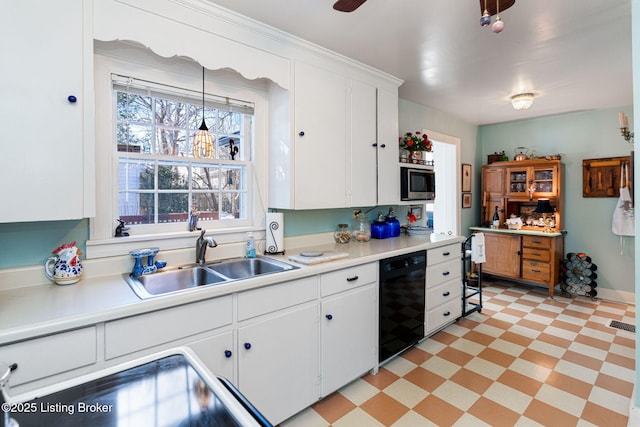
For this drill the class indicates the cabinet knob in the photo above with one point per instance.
(329, 316)
(352, 279)
(446, 313)
(227, 353)
(445, 273)
(446, 294)
(72, 99)
(375, 144)
(247, 345)
(382, 145)
(301, 133)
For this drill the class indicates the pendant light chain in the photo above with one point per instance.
(203, 142)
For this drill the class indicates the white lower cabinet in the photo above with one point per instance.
(349, 336)
(278, 362)
(444, 287)
(217, 353)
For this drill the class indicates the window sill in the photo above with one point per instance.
(118, 246)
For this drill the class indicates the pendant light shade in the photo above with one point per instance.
(203, 141)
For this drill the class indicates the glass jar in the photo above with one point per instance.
(361, 228)
(342, 233)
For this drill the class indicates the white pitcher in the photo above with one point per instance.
(64, 267)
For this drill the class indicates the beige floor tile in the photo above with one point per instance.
(508, 397)
(456, 395)
(507, 347)
(609, 400)
(400, 366)
(412, 419)
(469, 347)
(406, 392)
(443, 367)
(485, 368)
(530, 370)
(357, 417)
(359, 391)
(567, 402)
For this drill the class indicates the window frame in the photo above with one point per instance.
(125, 59)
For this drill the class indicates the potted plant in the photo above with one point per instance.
(416, 143)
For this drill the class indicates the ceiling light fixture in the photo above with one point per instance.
(522, 101)
(203, 142)
(488, 8)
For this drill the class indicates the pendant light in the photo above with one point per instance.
(203, 142)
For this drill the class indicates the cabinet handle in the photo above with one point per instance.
(352, 279)
(247, 345)
(227, 353)
(329, 316)
(301, 133)
(536, 271)
(446, 313)
(445, 273)
(446, 294)
(72, 99)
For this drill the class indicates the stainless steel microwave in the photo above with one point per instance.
(417, 184)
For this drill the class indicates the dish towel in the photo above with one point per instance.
(477, 248)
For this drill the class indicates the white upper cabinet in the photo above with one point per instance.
(388, 149)
(320, 138)
(363, 142)
(46, 167)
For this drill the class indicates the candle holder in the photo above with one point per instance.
(628, 136)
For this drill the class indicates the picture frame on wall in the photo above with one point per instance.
(466, 178)
(466, 200)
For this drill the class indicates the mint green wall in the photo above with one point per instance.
(577, 136)
(30, 243)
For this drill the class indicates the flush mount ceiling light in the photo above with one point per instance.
(203, 142)
(522, 101)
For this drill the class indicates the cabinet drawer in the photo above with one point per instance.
(441, 315)
(449, 291)
(445, 253)
(272, 298)
(348, 278)
(536, 271)
(536, 254)
(42, 357)
(536, 242)
(159, 327)
(443, 272)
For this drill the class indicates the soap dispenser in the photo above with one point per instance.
(393, 224)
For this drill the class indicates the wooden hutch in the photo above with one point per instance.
(514, 188)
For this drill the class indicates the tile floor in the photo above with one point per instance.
(526, 360)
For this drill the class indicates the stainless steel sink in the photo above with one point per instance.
(243, 268)
(168, 281)
(194, 276)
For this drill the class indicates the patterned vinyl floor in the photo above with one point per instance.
(525, 360)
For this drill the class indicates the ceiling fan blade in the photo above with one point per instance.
(491, 5)
(347, 5)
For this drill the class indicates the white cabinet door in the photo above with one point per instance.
(278, 361)
(217, 353)
(320, 134)
(42, 163)
(349, 336)
(388, 149)
(362, 136)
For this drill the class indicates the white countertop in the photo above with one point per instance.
(533, 231)
(30, 311)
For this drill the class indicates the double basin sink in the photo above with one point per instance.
(210, 274)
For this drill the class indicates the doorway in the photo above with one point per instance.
(446, 206)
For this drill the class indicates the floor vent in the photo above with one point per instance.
(624, 326)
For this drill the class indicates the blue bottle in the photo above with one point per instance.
(379, 228)
(393, 224)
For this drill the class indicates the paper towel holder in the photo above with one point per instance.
(273, 249)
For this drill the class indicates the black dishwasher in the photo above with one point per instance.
(402, 302)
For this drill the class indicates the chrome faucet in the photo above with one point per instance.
(201, 246)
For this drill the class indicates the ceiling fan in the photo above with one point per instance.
(490, 5)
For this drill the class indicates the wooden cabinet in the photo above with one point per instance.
(530, 258)
(348, 325)
(443, 287)
(516, 186)
(47, 104)
(503, 255)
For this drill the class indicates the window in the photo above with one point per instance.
(159, 180)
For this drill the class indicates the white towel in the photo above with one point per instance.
(477, 248)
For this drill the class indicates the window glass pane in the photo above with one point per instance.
(173, 207)
(171, 113)
(230, 208)
(137, 208)
(172, 176)
(205, 178)
(232, 178)
(138, 136)
(171, 141)
(207, 205)
(136, 174)
(133, 107)
(229, 123)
